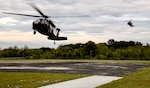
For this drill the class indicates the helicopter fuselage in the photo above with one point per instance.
(46, 27)
(43, 25)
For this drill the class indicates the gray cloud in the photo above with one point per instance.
(108, 18)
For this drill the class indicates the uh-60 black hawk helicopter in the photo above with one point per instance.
(44, 25)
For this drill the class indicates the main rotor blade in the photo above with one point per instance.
(68, 16)
(37, 9)
(21, 14)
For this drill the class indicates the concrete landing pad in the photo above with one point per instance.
(87, 82)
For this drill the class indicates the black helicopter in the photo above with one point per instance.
(130, 23)
(44, 25)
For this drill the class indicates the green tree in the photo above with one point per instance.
(102, 50)
(65, 52)
(37, 53)
(90, 49)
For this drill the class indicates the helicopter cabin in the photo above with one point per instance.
(41, 21)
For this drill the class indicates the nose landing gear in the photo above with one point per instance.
(34, 32)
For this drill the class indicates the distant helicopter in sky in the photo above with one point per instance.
(130, 23)
(44, 25)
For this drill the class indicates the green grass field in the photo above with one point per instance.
(140, 79)
(18, 60)
(33, 80)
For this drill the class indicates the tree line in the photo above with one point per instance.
(112, 50)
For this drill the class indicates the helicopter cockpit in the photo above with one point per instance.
(41, 21)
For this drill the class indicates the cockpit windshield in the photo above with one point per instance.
(41, 21)
(37, 21)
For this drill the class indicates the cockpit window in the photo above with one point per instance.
(37, 21)
(41, 21)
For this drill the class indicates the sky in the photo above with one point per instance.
(108, 20)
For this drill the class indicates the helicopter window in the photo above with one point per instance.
(42, 21)
(37, 21)
(46, 22)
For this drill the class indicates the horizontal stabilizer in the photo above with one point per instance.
(58, 38)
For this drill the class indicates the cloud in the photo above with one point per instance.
(108, 19)
(8, 20)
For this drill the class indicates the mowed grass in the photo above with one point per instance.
(33, 80)
(19, 60)
(140, 79)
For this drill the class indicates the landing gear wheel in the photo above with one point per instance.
(34, 32)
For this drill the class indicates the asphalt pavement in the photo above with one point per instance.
(94, 68)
